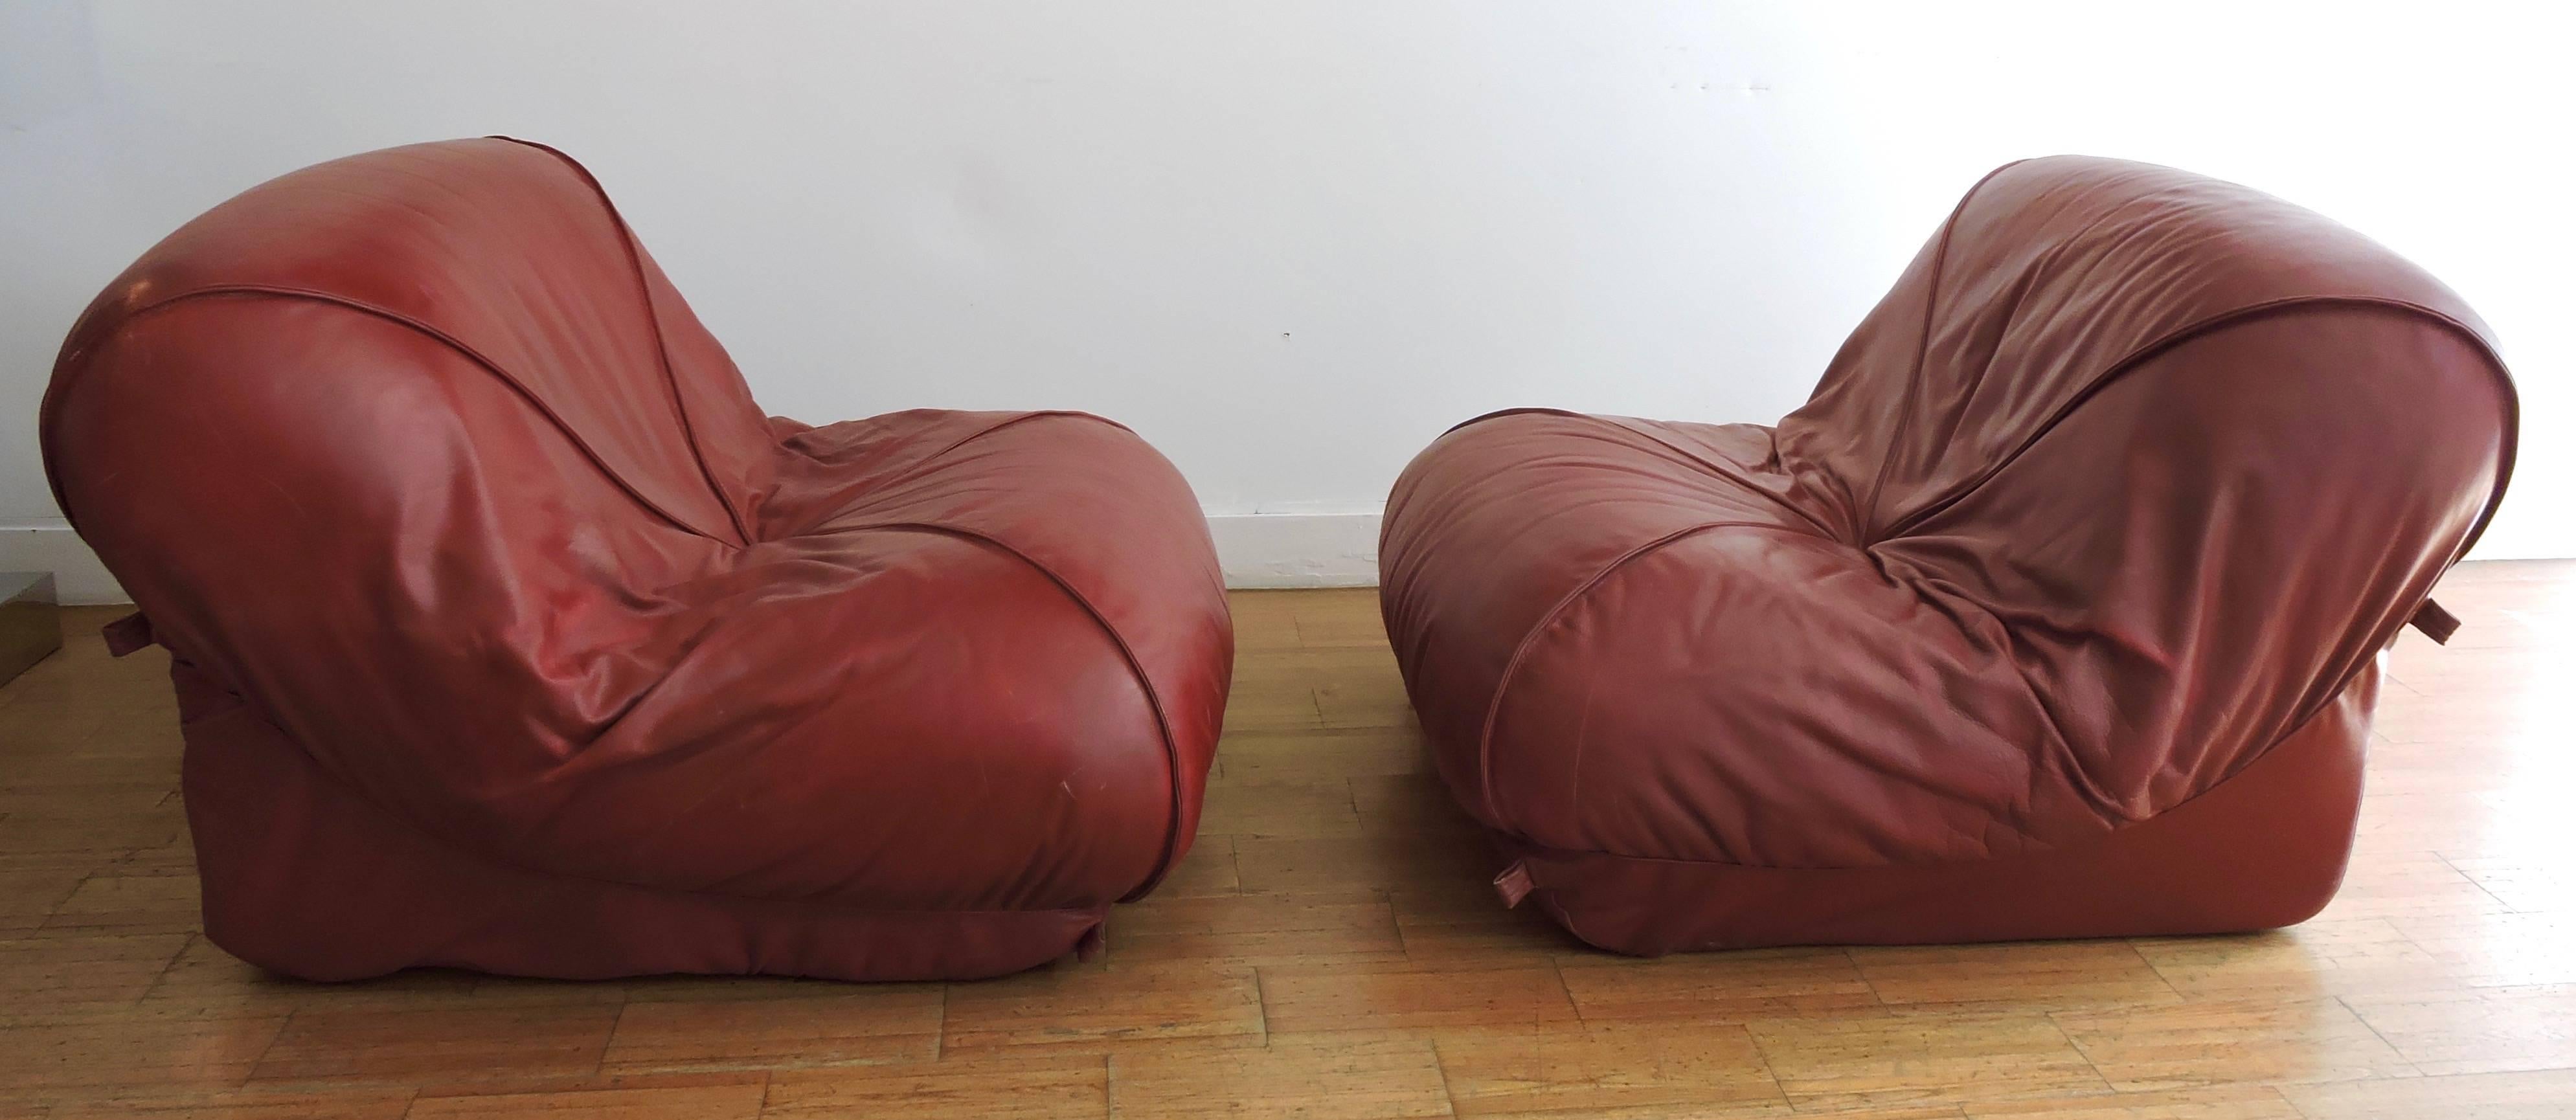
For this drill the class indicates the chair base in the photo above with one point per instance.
(2263, 849)
(304, 878)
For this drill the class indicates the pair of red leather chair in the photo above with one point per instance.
(509, 634)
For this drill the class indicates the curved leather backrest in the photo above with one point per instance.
(433, 396)
(509, 254)
(2053, 277)
(2191, 453)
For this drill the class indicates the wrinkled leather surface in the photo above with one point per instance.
(420, 458)
(2123, 486)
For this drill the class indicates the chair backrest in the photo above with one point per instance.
(436, 392)
(505, 253)
(2055, 277)
(2193, 452)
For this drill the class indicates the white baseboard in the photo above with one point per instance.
(1255, 549)
(1296, 549)
(78, 576)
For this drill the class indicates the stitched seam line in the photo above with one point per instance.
(1529, 641)
(998, 425)
(915, 469)
(2188, 332)
(2030, 281)
(653, 320)
(1722, 471)
(1135, 666)
(1499, 413)
(1629, 424)
(2185, 333)
(1922, 350)
(453, 343)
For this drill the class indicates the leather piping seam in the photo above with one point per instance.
(1922, 352)
(277, 291)
(2505, 454)
(1024, 417)
(2211, 324)
(1529, 641)
(2078, 776)
(1135, 666)
(1497, 414)
(913, 469)
(1728, 473)
(2045, 264)
(653, 320)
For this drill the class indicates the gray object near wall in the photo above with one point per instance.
(31, 623)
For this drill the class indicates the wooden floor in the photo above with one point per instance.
(1330, 950)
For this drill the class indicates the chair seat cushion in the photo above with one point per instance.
(1691, 666)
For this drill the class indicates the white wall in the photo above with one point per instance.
(1289, 243)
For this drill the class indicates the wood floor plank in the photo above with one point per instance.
(1379, 997)
(2210, 1043)
(2534, 1095)
(1339, 617)
(2066, 973)
(1372, 864)
(1625, 1069)
(130, 903)
(985, 1085)
(2478, 1030)
(893, 1023)
(1828, 1062)
(45, 975)
(2531, 880)
(1457, 926)
(440, 1044)
(1282, 809)
(1720, 987)
(1247, 757)
(1208, 868)
(738, 1100)
(1079, 1006)
(2232, 1102)
(2321, 958)
(134, 1052)
(29, 895)
(243, 1104)
(1259, 929)
(1374, 1079)
(2497, 950)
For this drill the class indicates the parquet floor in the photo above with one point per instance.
(1330, 950)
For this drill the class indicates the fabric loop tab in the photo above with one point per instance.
(127, 634)
(1513, 884)
(2436, 623)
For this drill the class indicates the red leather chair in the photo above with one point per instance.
(509, 634)
(2053, 613)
